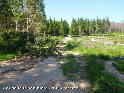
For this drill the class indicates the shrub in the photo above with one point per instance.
(42, 46)
(72, 45)
(24, 43)
(13, 41)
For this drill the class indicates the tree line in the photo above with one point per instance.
(117, 27)
(29, 16)
(88, 27)
(78, 27)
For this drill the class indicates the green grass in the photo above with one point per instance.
(101, 82)
(117, 33)
(119, 66)
(6, 56)
(119, 39)
(59, 38)
(99, 49)
(70, 66)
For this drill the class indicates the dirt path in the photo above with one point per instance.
(45, 74)
(82, 81)
(42, 74)
(106, 42)
(111, 69)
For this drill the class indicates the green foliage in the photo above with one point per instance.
(28, 44)
(6, 55)
(22, 15)
(13, 41)
(5, 15)
(72, 45)
(60, 38)
(57, 27)
(64, 27)
(74, 28)
(95, 67)
(53, 27)
(116, 38)
(36, 17)
(98, 26)
(42, 46)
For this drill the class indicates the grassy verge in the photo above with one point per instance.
(70, 66)
(101, 82)
(6, 56)
(119, 66)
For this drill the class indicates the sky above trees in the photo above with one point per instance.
(68, 9)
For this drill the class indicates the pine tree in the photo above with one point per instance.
(74, 28)
(5, 15)
(16, 6)
(36, 19)
(64, 27)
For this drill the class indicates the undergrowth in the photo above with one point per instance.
(70, 66)
(102, 82)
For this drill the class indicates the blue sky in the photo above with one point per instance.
(68, 9)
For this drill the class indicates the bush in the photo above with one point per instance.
(43, 46)
(72, 45)
(24, 43)
(13, 41)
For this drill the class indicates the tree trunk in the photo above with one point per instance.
(44, 34)
(16, 26)
(27, 24)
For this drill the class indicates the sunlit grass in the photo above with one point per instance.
(97, 48)
(59, 38)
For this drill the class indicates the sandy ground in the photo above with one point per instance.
(105, 41)
(46, 74)
(111, 69)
